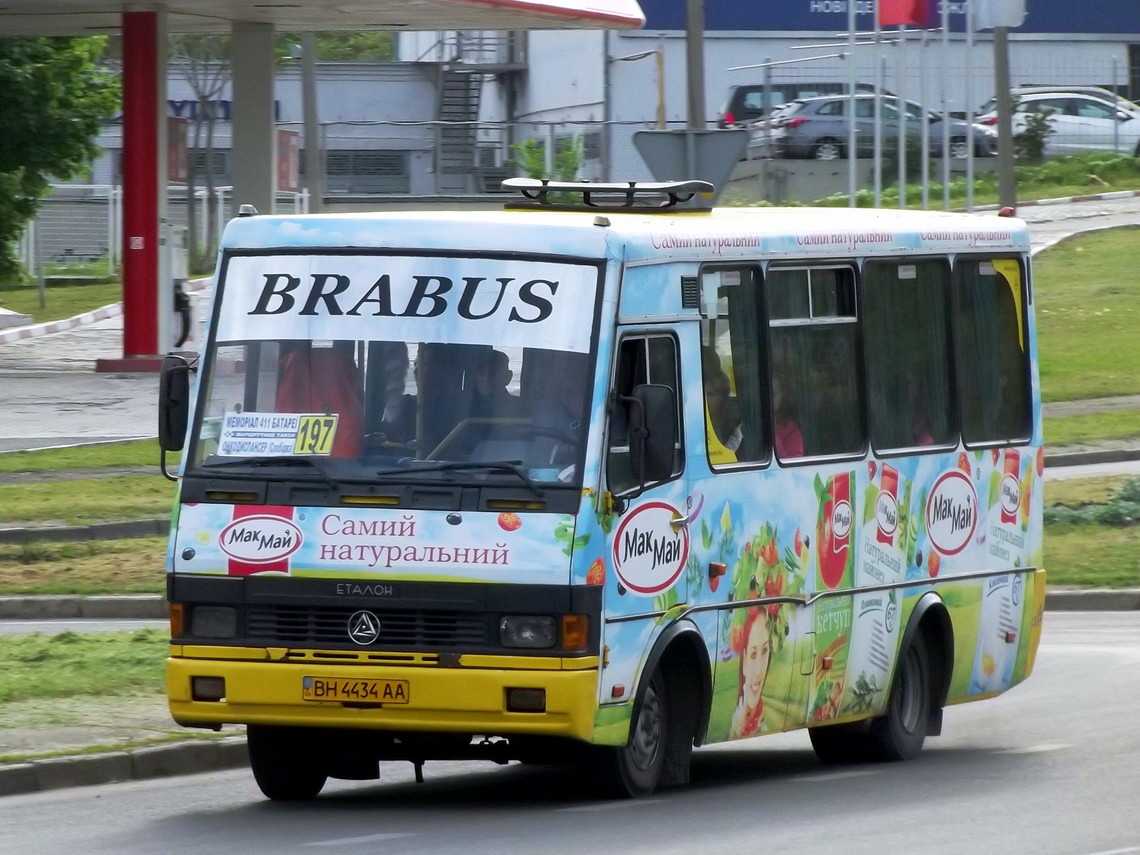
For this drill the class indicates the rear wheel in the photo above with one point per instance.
(284, 764)
(959, 149)
(899, 734)
(635, 769)
(827, 149)
(836, 744)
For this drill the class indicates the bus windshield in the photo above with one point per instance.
(359, 368)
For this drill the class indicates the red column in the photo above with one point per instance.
(141, 186)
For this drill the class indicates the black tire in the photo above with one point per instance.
(634, 770)
(284, 764)
(837, 744)
(827, 148)
(899, 734)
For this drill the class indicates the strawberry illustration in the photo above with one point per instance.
(964, 462)
(933, 563)
(1041, 461)
(872, 467)
(596, 575)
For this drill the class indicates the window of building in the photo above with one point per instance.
(736, 412)
(907, 348)
(817, 402)
(641, 359)
(367, 172)
(990, 336)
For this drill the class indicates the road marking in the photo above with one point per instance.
(610, 805)
(833, 776)
(368, 838)
(1039, 749)
(1123, 851)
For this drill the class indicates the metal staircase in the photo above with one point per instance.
(458, 113)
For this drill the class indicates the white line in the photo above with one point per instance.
(610, 805)
(1117, 851)
(368, 838)
(1037, 749)
(833, 776)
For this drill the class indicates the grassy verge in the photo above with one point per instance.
(136, 453)
(134, 566)
(63, 301)
(1090, 427)
(1087, 315)
(80, 502)
(70, 664)
(1092, 556)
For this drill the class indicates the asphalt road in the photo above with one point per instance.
(1051, 768)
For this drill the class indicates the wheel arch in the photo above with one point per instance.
(681, 647)
(931, 618)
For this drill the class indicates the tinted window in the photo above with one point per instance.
(815, 387)
(990, 333)
(736, 421)
(907, 348)
(641, 360)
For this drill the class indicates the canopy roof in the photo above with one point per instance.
(90, 17)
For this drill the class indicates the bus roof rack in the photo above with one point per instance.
(620, 196)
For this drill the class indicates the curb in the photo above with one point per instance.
(65, 607)
(102, 313)
(1086, 458)
(95, 531)
(136, 764)
(1059, 200)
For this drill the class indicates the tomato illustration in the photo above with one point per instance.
(1041, 461)
(596, 575)
(872, 467)
(994, 454)
(933, 563)
(509, 521)
(770, 553)
(963, 462)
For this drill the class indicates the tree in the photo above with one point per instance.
(203, 61)
(54, 98)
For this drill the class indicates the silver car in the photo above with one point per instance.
(1079, 120)
(817, 128)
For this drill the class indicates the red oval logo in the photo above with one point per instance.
(649, 552)
(951, 512)
(260, 539)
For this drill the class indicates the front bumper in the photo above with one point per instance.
(470, 698)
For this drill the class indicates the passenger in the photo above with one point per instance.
(722, 416)
(789, 439)
(324, 380)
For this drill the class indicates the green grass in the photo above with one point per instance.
(1087, 315)
(1092, 556)
(69, 664)
(63, 301)
(1077, 492)
(1090, 427)
(143, 452)
(81, 502)
(134, 566)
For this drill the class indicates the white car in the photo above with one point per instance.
(1081, 121)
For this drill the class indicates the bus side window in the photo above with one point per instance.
(993, 364)
(641, 360)
(736, 418)
(908, 354)
(817, 401)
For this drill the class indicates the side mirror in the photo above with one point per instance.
(652, 432)
(173, 403)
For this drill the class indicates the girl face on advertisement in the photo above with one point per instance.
(754, 670)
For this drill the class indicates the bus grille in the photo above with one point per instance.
(401, 628)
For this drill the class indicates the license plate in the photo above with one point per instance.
(362, 691)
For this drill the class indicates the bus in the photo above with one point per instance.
(602, 477)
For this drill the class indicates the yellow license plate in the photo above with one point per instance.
(359, 691)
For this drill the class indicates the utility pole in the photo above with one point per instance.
(314, 172)
(1007, 185)
(695, 57)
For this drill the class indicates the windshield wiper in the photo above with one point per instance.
(512, 466)
(275, 461)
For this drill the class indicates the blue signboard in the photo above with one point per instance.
(1045, 16)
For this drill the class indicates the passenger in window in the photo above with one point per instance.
(921, 432)
(489, 379)
(324, 380)
(722, 411)
(789, 439)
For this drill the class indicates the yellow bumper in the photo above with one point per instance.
(463, 699)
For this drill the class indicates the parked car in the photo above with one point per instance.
(766, 136)
(818, 127)
(746, 104)
(1080, 121)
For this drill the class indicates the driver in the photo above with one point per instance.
(490, 398)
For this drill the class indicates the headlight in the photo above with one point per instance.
(533, 631)
(213, 622)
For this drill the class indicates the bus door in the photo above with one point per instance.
(645, 476)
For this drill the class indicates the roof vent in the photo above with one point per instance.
(640, 196)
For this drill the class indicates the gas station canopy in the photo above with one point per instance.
(97, 17)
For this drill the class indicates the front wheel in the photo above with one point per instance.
(827, 149)
(899, 734)
(284, 763)
(959, 149)
(634, 770)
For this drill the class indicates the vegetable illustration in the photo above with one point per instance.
(509, 521)
(596, 575)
